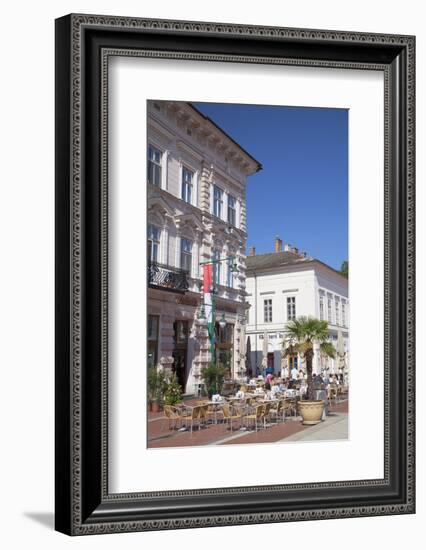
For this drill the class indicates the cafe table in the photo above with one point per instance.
(216, 407)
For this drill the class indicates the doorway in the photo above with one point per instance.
(270, 362)
(180, 351)
(292, 362)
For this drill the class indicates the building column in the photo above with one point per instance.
(242, 210)
(177, 246)
(166, 339)
(206, 176)
(191, 359)
(316, 360)
(164, 244)
(165, 179)
(198, 257)
(201, 352)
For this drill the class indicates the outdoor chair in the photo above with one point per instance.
(209, 412)
(266, 413)
(288, 408)
(256, 416)
(331, 394)
(173, 416)
(241, 406)
(192, 415)
(278, 411)
(230, 414)
(203, 415)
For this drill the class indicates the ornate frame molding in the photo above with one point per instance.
(86, 507)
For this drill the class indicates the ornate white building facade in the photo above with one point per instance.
(284, 285)
(196, 181)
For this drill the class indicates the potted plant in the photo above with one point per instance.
(156, 388)
(151, 383)
(301, 334)
(173, 392)
(213, 377)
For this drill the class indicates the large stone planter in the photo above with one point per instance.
(311, 411)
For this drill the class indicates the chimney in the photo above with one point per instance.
(295, 250)
(287, 247)
(278, 244)
(252, 251)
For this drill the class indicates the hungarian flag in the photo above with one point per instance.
(208, 302)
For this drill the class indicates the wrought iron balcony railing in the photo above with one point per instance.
(167, 278)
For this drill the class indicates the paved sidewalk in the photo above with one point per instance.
(334, 428)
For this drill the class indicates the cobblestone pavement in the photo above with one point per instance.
(334, 427)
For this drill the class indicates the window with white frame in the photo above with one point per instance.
(232, 210)
(153, 243)
(217, 201)
(230, 272)
(337, 309)
(186, 255)
(267, 310)
(216, 266)
(154, 166)
(291, 308)
(329, 310)
(187, 184)
(344, 313)
(321, 307)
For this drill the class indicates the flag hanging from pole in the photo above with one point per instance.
(208, 303)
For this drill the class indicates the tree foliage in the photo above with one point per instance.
(213, 377)
(301, 334)
(344, 269)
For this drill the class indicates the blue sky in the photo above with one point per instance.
(302, 192)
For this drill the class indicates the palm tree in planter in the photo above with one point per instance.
(301, 335)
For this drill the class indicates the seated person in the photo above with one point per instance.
(318, 381)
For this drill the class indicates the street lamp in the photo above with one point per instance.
(209, 300)
(202, 321)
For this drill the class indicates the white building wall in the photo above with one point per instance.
(304, 283)
(279, 286)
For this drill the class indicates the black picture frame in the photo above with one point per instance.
(83, 504)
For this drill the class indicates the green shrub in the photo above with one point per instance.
(213, 377)
(173, 392)
(157, 384)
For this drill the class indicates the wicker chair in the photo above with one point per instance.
(288, 408)
(278, 411)
(192, 415)
(173, 416)
(204, 414)
(331, 394)
(256, 416)
(230, 414)
(267, 407)
(209, 412)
